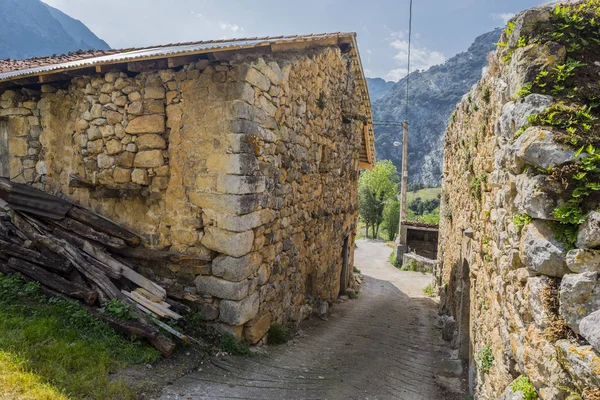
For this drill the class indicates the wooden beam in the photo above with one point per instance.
(147, 65)
(365, 165)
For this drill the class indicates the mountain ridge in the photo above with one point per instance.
(31, 28)
(434, 94)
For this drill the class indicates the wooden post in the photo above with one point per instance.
(401, 247)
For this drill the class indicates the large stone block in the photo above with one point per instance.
(537, 196)
(579, 297)
(236, 269)
(216, 287)
(149, 159)
(590, 329)
(150, 141)
(146, 124)
(536, 146)
(580, 361)
(17, 146)
(239, 312)
(514, 114)
(225, 203)
(583, 260)
(256, 331)
(154, 92)
(589, 232)
(241, 223)
(541, 252)
(240, 184)
(258, 79)
(538, 287)
(235, 244)
(238, 164)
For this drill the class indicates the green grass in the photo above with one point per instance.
(52, 348)
(278, 334)
(230, 344)
(428, 290)
(424, 194)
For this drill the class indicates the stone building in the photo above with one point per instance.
(243, 153)
(518, 254)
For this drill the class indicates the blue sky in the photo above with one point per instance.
(441, 28)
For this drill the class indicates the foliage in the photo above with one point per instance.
(429, 291)
(573, 395)
(278, 334)
(566, 234)
(391, 219)
(57, 343)
(119, 309)
(420, 207)
(230, 344)
(523, 384)
(486, 359)
(520, 220)
(411, 266)
(356, 270)
(576, 120)
(375, 189)
(475, 183)
(486, 95)
(394, 261)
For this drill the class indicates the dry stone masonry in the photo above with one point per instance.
(250, 163)
(520, 227)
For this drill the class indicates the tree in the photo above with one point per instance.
(376, 188)
(391, 216)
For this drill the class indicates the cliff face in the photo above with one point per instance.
(30, 28)
(520, 231)
(433, 95)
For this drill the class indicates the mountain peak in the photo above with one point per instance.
(31, 28)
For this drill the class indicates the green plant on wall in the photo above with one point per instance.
(523, 385)
(486, 359)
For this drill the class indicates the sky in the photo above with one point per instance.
(441, 28)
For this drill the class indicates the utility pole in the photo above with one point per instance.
(401, 246)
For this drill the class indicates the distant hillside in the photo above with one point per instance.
(31, 28)
(378, 87)
(433, 96)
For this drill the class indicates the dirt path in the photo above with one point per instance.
(380, 346)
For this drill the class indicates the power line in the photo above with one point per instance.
(409, 49)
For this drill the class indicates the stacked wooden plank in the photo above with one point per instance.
(73, 251)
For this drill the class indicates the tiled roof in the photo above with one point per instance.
(17, 65)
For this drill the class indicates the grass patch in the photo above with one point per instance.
(429, 291)
(52, 347)
(278, 334)
(523, 384)
(424, 194)
(231, 345)
(393, 260)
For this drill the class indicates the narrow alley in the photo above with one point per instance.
(382, 345)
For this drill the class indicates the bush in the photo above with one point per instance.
(230, 344)
(429, 291)
(278, 334)
(486, 359)
(523, 385)
(391, 217)
(394, 261)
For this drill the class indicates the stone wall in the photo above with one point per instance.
(251, 162)
(518, 274)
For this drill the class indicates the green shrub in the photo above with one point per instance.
(411, 266)
(520, 220)
(394, 261)
(486, 359)
(429, 291)
(230, 344)
(278, 334)
(356, 270)
(523, 385)
(119, 309)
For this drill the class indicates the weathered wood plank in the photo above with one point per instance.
(4, 151)
(89, 232)
(53, 281)
(102, 224)
(55, 263)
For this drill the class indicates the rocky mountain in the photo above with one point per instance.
(433, 96)
(31, 28)
(378, 87)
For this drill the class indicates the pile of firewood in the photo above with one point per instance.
(75, 252)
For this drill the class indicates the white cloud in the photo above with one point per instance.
(234, 28)
(396, 74)
(504, 17)
(420, 58)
